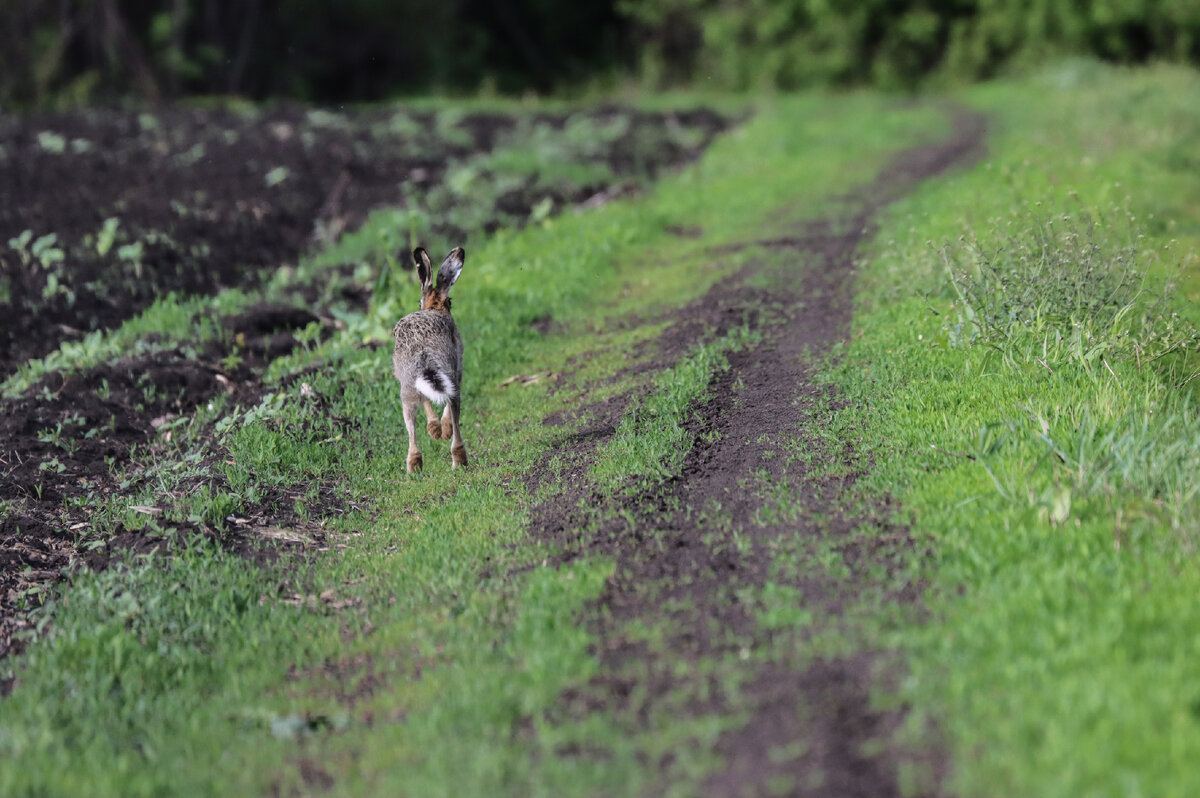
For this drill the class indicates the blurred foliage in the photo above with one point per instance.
(56, 53)
(59, 53)
(738, 44)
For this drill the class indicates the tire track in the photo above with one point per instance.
(689, 551)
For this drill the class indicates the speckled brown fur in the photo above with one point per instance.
(427, 359)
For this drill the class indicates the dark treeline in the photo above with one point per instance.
(67, 52)
(899, 43)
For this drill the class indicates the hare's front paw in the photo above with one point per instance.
(435, 428)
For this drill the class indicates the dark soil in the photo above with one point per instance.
(72, 441)
(678, 565)
(209, 199)
(201, 210)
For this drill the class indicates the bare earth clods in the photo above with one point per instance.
(103, 211)
(71, 442)
(199, 200)
(697, 541)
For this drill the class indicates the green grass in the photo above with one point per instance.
(650, 441)
(204, 675)
(1024, 383)
(173, 318)
(1020, 375)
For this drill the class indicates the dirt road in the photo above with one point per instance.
(690, 550)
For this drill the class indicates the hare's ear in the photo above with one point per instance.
(451, 268)
(424, 266)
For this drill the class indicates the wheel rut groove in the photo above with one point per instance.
(691, 551)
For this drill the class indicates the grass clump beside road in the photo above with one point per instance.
(1021, 375)
(1024, 363)
(417, 627)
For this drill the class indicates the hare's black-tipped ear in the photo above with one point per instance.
(424, 266)
(451, 268)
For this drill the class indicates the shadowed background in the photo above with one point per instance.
(63, 53)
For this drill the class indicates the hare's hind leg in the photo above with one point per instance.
(409, 405)
(436, 428)
(458, 451)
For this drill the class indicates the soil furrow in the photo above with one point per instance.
(693, 552)
(128, 207)
(104, 211)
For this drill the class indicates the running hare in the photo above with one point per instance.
(428, 358)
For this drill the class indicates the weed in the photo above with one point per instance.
(52, 465)
(1058, 291)
(52, 142)
(132, 254)
(44, 250)
(107, 235)
(276, 176)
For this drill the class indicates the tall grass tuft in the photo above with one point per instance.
(1064, 290)
(1067, 296)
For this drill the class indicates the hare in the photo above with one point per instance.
(428, 358)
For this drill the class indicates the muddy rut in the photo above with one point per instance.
(689, 551)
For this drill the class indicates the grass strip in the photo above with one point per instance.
(414, 653)
(1022, 367)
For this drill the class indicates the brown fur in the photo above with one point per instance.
(435, 300)
(411, 332)
(427, 341)
(432, 423)
(434, 296)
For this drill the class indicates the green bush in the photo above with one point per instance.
(64, 54)
(790, 44)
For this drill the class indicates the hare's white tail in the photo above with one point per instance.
(428, 359)
(435, 385)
